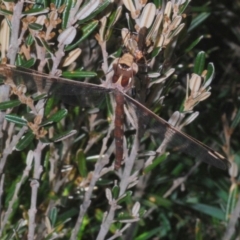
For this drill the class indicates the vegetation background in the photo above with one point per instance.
(179, 199)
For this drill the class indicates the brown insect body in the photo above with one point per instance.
(124, 70)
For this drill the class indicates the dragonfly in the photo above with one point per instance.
(124, 69)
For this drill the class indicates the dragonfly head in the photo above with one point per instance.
(124, 71)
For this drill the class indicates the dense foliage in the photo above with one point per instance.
(57, 163)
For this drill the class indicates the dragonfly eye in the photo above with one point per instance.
(124, 67)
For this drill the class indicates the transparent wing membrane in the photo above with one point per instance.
(171, 138)
(85, 94)
(70, 92)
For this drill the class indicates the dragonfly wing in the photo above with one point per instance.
(171, 137)
(68, 91)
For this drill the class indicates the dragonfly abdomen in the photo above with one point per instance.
(118, 131)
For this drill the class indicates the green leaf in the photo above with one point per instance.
(36, 11)
(9, 104)
(110, 110)
(209, 210)
(236, 120)
(49, 106)
(114, 16)
(125, 198)
(183, 7)
(155, 163)
(58, 116)
(69, 4)
(155, 52)
(81, 161)
(198, 20)
(78, 74)
(42, 43)
(112, 20)
(35, 26)
(38, 97)
(87, 30)
(99, 9)
(68, 214)
(198, 229)
(29, 40)
(27, 64)
(148, 234)
(232, 198)
(124, 216)
(19, 60)
(25, 141)
(199, 63)
(53, 215)
(5, 12)
(63, 135)
(115, 191)
(16, 119)
(158, 200)
(193, 44)
(210, 73)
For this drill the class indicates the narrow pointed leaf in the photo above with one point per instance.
(87, 9)
(115, 191)
(16, 119)
(81, 162)
(78, 74)
(25, 141)
(36, 11)
(193, 44)
(49, 106)
(232, 198)
(199, 63)
(63, 136)
(198, 20)
(236, 120)
(99, 9)
(155, 163)
(5, 12)
(58, 116)
(87, 30)
(29, 63)
(35, 26)
(209, 210)
(9, 104)
(125, 197)
(198, 230)
(69, 4)
(53, 215)
(210, 74)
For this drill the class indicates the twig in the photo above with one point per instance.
(1, 194)
(230, 229)
(35, 185)
(105, 56)
(4, 96)
(126, 179)
(177, 182)
(100, 164)
(59, 54)
(107, 221)
(15, 24)
(129, 163)
(17, 189)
